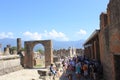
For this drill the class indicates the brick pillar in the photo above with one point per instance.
(91, 51)
(48, 53)
(19, 44)
(95, 52)
(97, 49)
(92, 48)
(103, 20)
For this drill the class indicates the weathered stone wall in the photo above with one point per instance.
(9, 64)
(106, 56)
(114, 36)
(110, 40)
(70, 52)
(114, 46)
(29, 54)
(80, 52)
(114, 11)
(62, 52)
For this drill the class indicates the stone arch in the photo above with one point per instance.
(29, 45)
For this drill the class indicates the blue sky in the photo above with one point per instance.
(62, 20)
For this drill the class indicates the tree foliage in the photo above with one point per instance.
(40, 51)
(14, 48)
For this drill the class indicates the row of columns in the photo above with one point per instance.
(8, 50)
(92, 50)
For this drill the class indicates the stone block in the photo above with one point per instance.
(42, 72)
(9, 64)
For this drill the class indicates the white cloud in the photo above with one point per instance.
(82, 32)
(6, 35)
(45, 35)
(55, 35)
(33, 36)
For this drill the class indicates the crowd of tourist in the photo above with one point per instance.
(82, 68)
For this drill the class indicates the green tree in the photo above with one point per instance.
(23, 49)
(14, 48)
(40, 51)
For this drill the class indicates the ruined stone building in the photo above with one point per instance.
(9, 60)
(104, 44)
(91, 46)
(80, 52)
(70, 52)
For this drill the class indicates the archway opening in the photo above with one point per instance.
(39, 56)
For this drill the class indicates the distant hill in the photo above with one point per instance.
(8, 41)
(56, 44)
(67, 44)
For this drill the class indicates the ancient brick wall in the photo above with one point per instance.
(114, 36)
(70, 52)
(114, 11)
(29, 54)
(110, 40)
(104, 52)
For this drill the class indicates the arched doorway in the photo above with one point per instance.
(29, 54)
(39, 56)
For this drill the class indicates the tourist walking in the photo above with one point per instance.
(78, 69)
(53, 71)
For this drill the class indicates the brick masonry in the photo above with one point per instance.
(29, 54)
(110, 40)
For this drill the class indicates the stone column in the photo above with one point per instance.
(87, 51)
(91, 49)
(9, 48)
(19, 44)
(95, 52)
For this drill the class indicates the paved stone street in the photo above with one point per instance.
(24, 74)
(32, 74)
